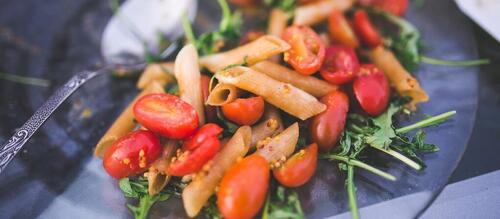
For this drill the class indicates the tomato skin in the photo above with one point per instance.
(244, 111)
(243, 188)
(205, 132)
(245, 3)
(340, 30)
(341, 64)
(167, 115)
(396, 7)
(365, 29)
(251, 36)
(299, 169)
(132, 154)
(210, 111)
(191, 161)
(325, 128)
(307, 49)
(371, 89)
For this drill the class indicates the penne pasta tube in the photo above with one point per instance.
(222, 94)
(124, 123)
(157, 173)
(316, 12)
(197, 193)
(309, 84)
(158, 72)
(280, 147)
(404, 83)
(277, 22)
(187, 73)
(250, 53)
(271, 125)
(282, 95)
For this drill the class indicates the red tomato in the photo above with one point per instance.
(166, 114)
(191, 161)
(244, 111)
(210, 111)
(243, 188)
(340, 30)
(209, 130)
(325, 128)
(341, 64)
(299, 168)
(396, 7)
(245, 3)
(371, 89)
(131, 154)
(365, 29)
(308, 50)
(251, 36)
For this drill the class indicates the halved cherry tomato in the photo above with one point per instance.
(167, 115)
(191, 161)
(308, 50)
(131, 154)
(341, 64)
(244, 111)
(251, 36)
(371, 89)
(243, 188)
(396, 7)
(299, 168)
(340, 30)
(365, 29)
(207, 131)
(325, 128)
(210, 111)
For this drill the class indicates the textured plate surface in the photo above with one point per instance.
(57, 177)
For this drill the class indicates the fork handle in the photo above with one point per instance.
(16, 142)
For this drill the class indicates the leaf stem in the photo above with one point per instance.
(363, 165)
(226, 15)
(434, 61)
(401, 157)
(351, 192)
(188, 30)
(427, 122)
(24, 80)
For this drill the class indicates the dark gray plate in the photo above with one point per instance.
(57, 177)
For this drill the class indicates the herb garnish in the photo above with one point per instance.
(463, 63)
(282, 204)
(24, 80)
(138, 189)
(285, 5)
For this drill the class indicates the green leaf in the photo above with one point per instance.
(127, 190)
(210, 210)
(419, 144)
(382, 137)
(285, 5)
(24, 80)
(282, 203)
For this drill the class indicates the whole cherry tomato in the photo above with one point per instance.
(371, 89)
(341, 64)
(308, 50)
(251, 36)
(365, 29)
(244, 111)
(210, 111)
(207, 131)
(299, 168)
(243, 188)
(167, 115)
(325, 128)
(396, 7)
(340, 30)
(131, 154)
(196, 151)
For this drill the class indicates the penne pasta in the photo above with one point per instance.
(276, 149)
(282, 95)
(157, 174)
(197, 193)
(316, 12)
(250, 53)
(271, 125)
(277, 22)
(188, 78)
(158, 72)
(222, 94)
(309, 84)
(124, 123)
(404, 83)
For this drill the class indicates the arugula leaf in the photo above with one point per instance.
(210, 210)
(173, 89)
(285, 5)
(282, 204)
(383, 136)
(138, 189)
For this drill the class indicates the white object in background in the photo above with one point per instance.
(486, 13)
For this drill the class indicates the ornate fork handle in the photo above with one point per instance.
(23, 134)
